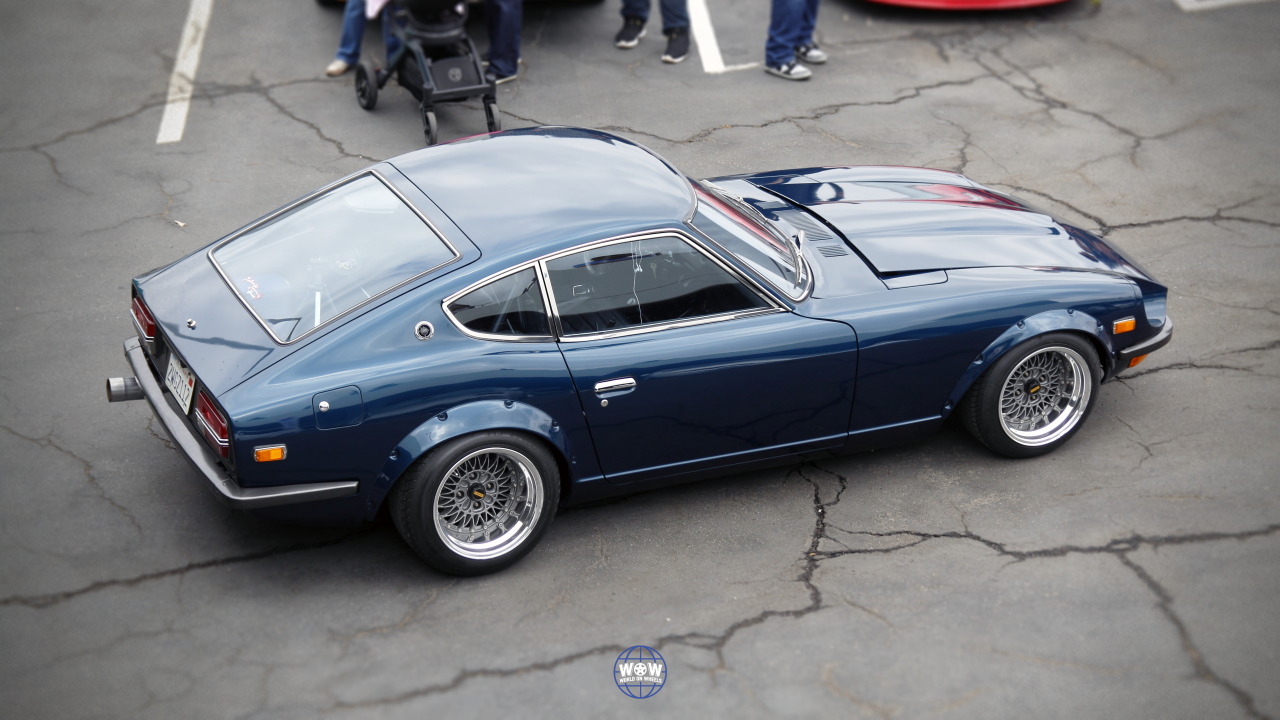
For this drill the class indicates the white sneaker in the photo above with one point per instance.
(337, 67)
(791, 71)
(811, 54)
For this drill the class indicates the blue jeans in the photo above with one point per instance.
(353, 33)
(790, 26)
(505, 19)
(675, 13)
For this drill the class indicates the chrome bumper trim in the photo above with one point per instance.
(180, 430)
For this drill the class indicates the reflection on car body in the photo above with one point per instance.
(476, 334)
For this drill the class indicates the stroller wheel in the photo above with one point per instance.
(491, 115)
(366, 85)
(429, 126)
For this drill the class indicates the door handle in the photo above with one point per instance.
(605, 386)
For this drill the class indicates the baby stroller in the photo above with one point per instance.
(437, 62)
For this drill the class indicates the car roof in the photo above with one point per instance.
(530, 191)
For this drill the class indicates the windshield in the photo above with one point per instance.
(321, 258)
(738, 227)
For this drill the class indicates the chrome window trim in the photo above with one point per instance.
(373, 172)
(553, 314)
(809, 275)
(772, 303)
(671, 325)
(444, 305)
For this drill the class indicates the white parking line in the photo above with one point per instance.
(174, 121)
(704, 36)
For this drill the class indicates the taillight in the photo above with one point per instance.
(144, 320)
(213, 425)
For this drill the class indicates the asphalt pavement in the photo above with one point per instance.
(1132, 574)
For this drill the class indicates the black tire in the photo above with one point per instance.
(429, 126)
(491, 115)
(1035, 397)
(366, 85)
(478, 503)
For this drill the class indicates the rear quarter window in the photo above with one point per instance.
(509, 307)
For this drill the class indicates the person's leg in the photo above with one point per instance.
(389, 39)
(352, 32)
(675, 15)
(784, 32)
(807, 49)
(808, 21)
(638, 9)
(505, 17)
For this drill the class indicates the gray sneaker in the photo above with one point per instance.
(811, 54)
(630, 34)
(791, 71)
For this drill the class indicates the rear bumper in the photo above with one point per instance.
(1160, 340)
(185, 437)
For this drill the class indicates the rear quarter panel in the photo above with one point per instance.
(409, 392)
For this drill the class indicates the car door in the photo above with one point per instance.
(681, 364)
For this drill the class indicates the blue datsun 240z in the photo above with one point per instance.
(481, 332)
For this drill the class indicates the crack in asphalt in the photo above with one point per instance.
(1199, 365)
(86, 467)
(816, 114)
(1164, 601)
(703, 641)
(825, 497)
(209, 91)
(51, 599)
(40, 147)
(1147, 447)
(827, 491)
(1118, 547)
(214, 91)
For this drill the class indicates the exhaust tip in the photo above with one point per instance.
(123, 389)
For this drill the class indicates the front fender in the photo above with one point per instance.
(458, 421)
(1027, 328)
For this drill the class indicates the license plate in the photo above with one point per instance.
(181, 382)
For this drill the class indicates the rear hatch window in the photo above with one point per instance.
(321, 258)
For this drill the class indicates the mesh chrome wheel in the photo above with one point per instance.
(488, 503)
(1045, 396)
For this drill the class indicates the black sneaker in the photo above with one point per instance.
(630, 34)
(677, 46)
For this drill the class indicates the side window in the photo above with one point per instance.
(510, 305)
(643, 282)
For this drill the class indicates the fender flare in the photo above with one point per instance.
(1047, 322)
(472, 417)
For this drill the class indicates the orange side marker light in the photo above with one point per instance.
(271, 453)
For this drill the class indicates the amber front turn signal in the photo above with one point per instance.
(1134, 362)
(269, 453)
(1123, 326)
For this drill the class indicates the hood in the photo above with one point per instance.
(910, 220)
(226, 345)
